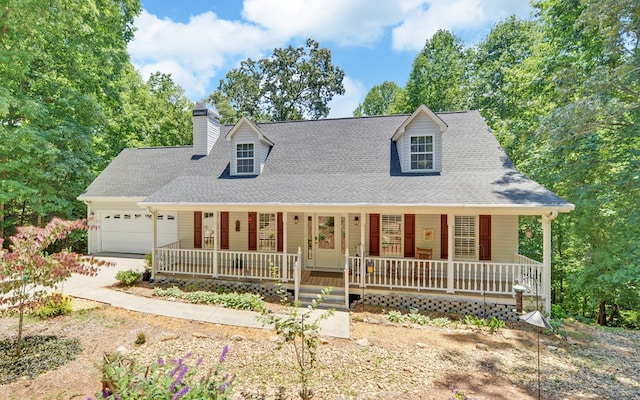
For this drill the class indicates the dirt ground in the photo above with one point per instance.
(380, 361)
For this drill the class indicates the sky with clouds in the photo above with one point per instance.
(199, 41)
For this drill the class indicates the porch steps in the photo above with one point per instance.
(335, 299)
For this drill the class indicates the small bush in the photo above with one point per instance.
(236, 301)
(630, 319)
(557, 312)
(129, 277)
(141, 339)
(55, 305)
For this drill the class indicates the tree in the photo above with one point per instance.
(292, 84)
(28, 271)
(588, 148)
(59, 65)
(438, 77)
(379, 101)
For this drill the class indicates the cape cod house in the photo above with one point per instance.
(422, 206)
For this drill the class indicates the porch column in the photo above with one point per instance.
(363, 232)
(216, 240)
(285, 240)
(154, 244)
(546, 258)
(450, 275)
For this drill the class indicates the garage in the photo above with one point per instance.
(132, 231)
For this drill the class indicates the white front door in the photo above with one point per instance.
(327, 241)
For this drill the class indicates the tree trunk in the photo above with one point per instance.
(614, 313)
(19, 341)
(602, 314)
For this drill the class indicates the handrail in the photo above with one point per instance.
(346, 279)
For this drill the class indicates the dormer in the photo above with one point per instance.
(249, 148)
(419, 142)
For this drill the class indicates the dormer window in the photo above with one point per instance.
(245, 159)
(422, 153)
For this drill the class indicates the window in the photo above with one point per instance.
(421, 153)
(244, 158)
(464, 236)
(267, 227)
(391, 235)
(209, 229)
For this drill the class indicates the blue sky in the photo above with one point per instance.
(199, 41)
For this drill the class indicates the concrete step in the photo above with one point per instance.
(334, 300)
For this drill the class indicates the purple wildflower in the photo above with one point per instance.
(224, 386)
(181, 393)
(173, 371)
(160, 361)
(223, 356)
(199, 362)
(106, 393)
(178, 380)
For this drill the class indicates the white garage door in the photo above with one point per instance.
(131, 231)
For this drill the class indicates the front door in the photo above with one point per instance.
(327, 241)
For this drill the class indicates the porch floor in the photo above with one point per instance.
(322, 278)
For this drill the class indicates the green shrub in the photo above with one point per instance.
(141, 339)
(496, 324)
(129, 277)
(395, 316)
(558, 312)
(236, 301)
(630, 319)
(55, 305)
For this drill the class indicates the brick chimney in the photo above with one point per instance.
(206, 129)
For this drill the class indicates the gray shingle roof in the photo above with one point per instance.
(350, 161)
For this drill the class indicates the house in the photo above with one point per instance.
(420, 209)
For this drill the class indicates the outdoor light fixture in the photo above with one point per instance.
(237, 225)
(528, 233)
(356, 220)
(295, 220)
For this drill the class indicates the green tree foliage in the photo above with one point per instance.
(292, 84)
(28, 271)
(147, 114)
(59, 60)
(439, 76)
(380, 100)
(591, 152)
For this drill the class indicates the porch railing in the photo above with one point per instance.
(224, 263)
(468, 276)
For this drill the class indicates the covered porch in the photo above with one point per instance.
(338, 249)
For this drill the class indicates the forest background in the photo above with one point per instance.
(561, 92)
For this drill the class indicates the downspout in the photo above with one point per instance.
(546, 257)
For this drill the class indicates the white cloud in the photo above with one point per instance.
(343, 106)
(194, 52)
(346, 22)
(457, 15)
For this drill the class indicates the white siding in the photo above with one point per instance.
(206, 131)
(429, 221)
(504, 237)
(295, 233)
(185, 229)
(238, 241)
(245, 134)
(421, 125)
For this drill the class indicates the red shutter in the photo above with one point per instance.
(280, 232)
(485, 237)
(253, 231)
(197, 229)
(444, 236)
(374, 234)
(224, 230)
(410, 235)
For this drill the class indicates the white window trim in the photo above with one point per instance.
(433, 153)
(235, 155)
(273, 232)
(476, 238)
(401, 254)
